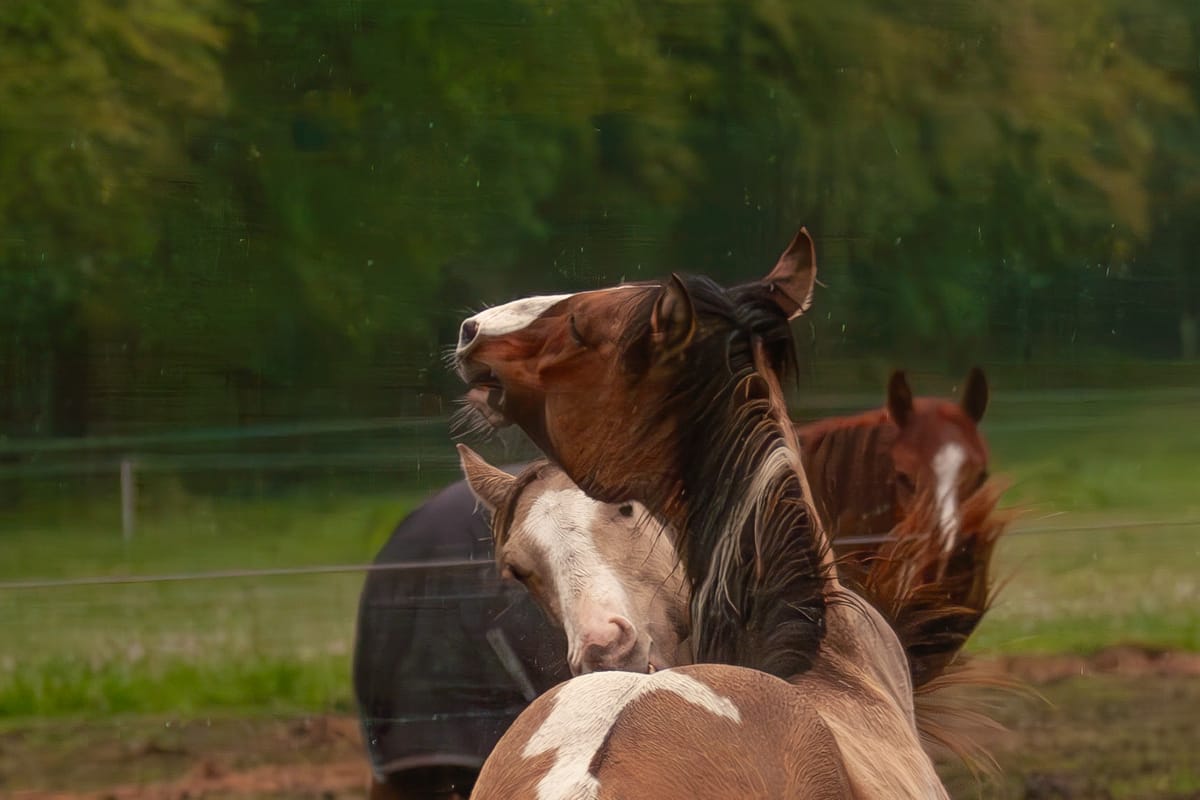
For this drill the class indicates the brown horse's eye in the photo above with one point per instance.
(626, 510)
(575, 334)
(905, 482)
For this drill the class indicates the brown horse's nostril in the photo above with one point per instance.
(468, 332)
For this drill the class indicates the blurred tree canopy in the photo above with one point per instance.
(273, 208)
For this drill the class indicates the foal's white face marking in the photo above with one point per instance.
(517, 314)
(946, 465)
(589, 592)
(586, 708)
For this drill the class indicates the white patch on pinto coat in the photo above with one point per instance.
(946, 465)
(586, 708)
(589, 593)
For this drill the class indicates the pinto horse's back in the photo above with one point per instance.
(446, 657)
(706, 732)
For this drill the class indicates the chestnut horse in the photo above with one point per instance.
(576, 555)
(669, 394)
(866, 469)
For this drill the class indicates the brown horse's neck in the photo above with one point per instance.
(757, 559)
(850, 467)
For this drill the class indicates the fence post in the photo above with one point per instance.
(128, 499)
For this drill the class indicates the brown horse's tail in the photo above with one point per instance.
(935, 600)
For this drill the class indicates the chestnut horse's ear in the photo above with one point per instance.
(791, 281)
(899, 398)
(487, 483)
(673, 321)
(975, 394)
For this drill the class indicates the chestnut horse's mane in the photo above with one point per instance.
(934, 604)
(752, 551)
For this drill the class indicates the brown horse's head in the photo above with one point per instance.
(939, 449)
(595, 378)
(606, 573)
(669, 393)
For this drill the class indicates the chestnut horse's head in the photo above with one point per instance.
(606, 573)
(598, 378)
(939, 449)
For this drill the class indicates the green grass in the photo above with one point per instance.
(276, 643)
(284, 643)
(1116, 460)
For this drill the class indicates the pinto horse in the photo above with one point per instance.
(867, 469)
(576, 555)
(864, 471)
(669, 394)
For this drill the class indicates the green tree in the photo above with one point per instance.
(95, 97)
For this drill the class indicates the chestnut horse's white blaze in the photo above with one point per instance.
(594, 607)
(583, 714)
(946, 465)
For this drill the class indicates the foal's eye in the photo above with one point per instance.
(516, 573)
(575, 334)
(626, 510)
(905, 482)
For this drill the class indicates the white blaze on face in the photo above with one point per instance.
(946, 466)
(589, 592)
(586, 708)
(512, 316)
(516, 315)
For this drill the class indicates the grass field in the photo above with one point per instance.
(283, 644)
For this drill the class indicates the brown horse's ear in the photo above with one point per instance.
(791, 281)
(899, 398)
(975, 394)
(673, 321)
(487, 483)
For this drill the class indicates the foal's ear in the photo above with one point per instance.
(791, 281)
(975, 394)
(487, 483)
(673, 321)
(899, 398)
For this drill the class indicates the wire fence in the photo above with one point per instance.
(424, 445)
(447, 564)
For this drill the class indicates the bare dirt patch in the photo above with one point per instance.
(1123, 723)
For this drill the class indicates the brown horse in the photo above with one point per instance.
(559, 543)
(669, 394)
(865, 470)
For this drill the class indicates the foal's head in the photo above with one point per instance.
(604, 572)
(939, 449)
(597, 378)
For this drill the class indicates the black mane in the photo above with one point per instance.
(758, 585)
